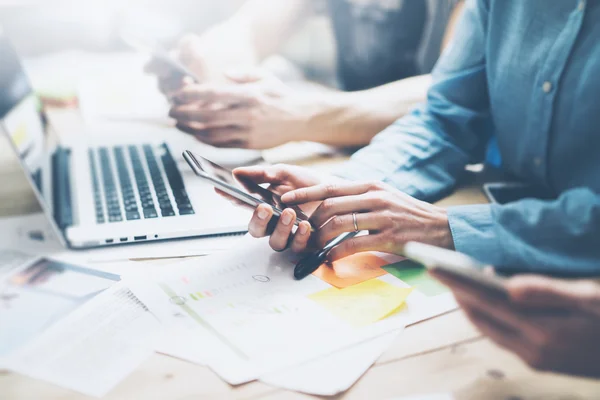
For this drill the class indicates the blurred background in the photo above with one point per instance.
(42, 27)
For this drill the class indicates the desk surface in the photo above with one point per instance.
(443, 354)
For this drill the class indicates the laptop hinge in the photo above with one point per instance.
(61, 187)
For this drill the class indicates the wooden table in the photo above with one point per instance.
(443, 354)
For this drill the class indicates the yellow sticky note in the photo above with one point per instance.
(363, 304)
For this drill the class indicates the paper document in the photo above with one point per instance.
(260, 318)
(41, 292)
(334, 373)
(94, 348)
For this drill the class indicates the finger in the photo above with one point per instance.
(258, 226)
(329, 208)
(301, 237)
(325, 191)
(211, 118)
(213, 93)
(345, 223)
(281, 235)
(355, 245)
(539, 291)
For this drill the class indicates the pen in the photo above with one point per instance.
(310, 263)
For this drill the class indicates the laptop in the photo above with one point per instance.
(105, 194)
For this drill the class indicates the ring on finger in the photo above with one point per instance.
(355, 222)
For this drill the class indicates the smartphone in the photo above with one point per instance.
(245, 191)
(503, 192)
(155, 50)
(458, 265)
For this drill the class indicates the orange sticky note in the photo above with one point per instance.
(352, 270)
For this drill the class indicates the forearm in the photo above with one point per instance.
(348, 119)
(561, 236)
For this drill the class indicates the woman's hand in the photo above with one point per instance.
(391, 217)
(281, 179)
(551, 324)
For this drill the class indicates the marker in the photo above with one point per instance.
(312, 262)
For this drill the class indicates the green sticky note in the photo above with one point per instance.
(415, 275)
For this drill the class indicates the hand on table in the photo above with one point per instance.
(391, 217)
(256, 111)
(551, 324)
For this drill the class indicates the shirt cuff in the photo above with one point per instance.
(473, 233)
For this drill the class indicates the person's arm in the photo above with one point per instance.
(353, 118)
(425, 152)
(533, 235)
(255, 31)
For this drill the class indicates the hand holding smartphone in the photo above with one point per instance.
(245, 192)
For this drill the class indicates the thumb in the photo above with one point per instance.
(540, 291)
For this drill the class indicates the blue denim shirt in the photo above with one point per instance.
(527, 74)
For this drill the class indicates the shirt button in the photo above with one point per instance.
(581, 5)
(547, 87)
(537, 161)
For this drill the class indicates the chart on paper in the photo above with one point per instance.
(259, 310)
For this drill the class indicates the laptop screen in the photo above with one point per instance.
(25, 125)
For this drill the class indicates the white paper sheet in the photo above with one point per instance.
(334, 373)
(94, 348)
(247, 294)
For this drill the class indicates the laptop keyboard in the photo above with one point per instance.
(137, 185)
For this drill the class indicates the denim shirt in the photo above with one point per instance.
(527, 74)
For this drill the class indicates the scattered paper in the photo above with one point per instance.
(39, 294)
(334, 373)
(259, 318)
(363, 304)
(94, 348)
(351, 270)
(415, 275)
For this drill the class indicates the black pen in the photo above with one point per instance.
(310, 263)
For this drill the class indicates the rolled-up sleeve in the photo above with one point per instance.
(425, 153)
(560, 236)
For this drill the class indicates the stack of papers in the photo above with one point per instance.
(243, 314)
(72, 326)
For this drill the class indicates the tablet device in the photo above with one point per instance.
(458, 265)
(156, 51)
(244, 191)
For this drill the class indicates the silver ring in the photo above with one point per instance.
(355, 222)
